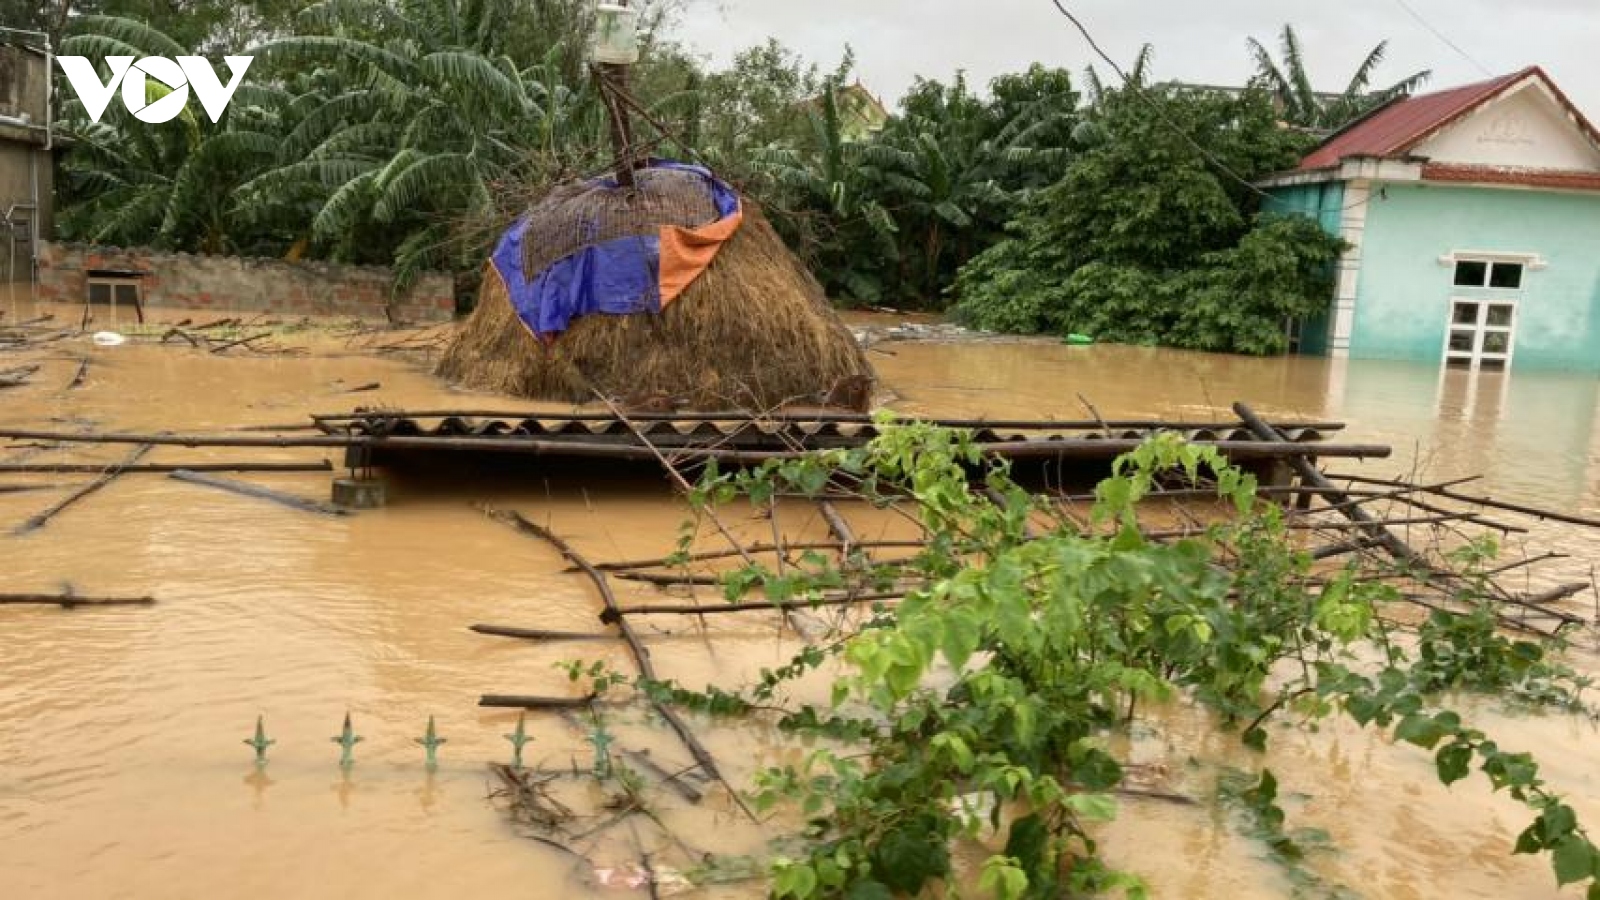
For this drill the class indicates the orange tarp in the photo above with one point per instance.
(687, 252)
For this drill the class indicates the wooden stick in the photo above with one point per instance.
(675, 781)
(1376, 529)
(182, 440)
(839, 527)
(1398, 493)
(525, 701)
(1555, 595)
(79, 468)
(68, 601)
(535, 634)
(1491, 503)
(663, 563)
(641, 655)
(664, 579)
(108, 475)
(260, 493)
(1311, 475)
(77, 378)
(16, 377)
(752, 606)
(245, 340)
(1330, 551)
(179, 332)
(1532, 560)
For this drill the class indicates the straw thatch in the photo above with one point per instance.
(753, 332)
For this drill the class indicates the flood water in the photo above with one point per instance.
(122, 769)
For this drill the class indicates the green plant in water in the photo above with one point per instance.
(985, 700)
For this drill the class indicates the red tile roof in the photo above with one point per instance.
(1542, 178)
(1401, 125)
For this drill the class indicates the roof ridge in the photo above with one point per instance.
(1398, 126)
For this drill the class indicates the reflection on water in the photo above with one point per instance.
(121, 729)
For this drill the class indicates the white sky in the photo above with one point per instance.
(1195, 40)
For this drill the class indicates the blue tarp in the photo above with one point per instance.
(618, 277)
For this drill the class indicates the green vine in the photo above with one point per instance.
(982, 703)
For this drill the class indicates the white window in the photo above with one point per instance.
(1489, 273)
(1481, 333)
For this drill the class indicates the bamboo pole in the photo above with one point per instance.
(68, 601)
(1491, 503)
(610, 616)
(79, 468)
(1375, 528)
(710, 555)
(1311, 475)
(537, 634)
(181, 440)
(108, 475)
(663, 579)
(525, 701)
(258, 492)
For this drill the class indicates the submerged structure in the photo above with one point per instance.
(670, 293)
(1472, 217)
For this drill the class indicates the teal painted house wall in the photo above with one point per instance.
(1403, 295)
(1325, 203)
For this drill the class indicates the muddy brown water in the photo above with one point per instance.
(122, 772)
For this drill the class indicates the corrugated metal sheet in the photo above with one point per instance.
(1401, 125)
(765, 434)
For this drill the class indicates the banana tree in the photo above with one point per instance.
(169, 184)
(1300, 104)
(407, 131)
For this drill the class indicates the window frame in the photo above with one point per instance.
(1491, 266)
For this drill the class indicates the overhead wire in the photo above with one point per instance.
(1138, 91)
(1411, 11)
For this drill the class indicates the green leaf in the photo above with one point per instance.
(1557, 822)
(869, 890)
(1093, 807)
(1573, 859)
(910, 855)
(794, 879)
(1028, 842)
(1453, 762)
(1419, 729)
(1255, 738)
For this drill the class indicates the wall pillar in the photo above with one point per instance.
(1352, 226)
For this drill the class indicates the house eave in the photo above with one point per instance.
(1351, 168)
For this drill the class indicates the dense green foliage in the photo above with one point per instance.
(989, 701)
(408, 132)
(889, 217)
(1146, 240)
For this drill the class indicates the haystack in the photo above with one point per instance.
(754, 330)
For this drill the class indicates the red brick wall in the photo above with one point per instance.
(238, 284)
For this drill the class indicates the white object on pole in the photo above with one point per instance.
(616, 34)
(109, 339)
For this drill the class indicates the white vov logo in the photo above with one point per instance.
(186, 72)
